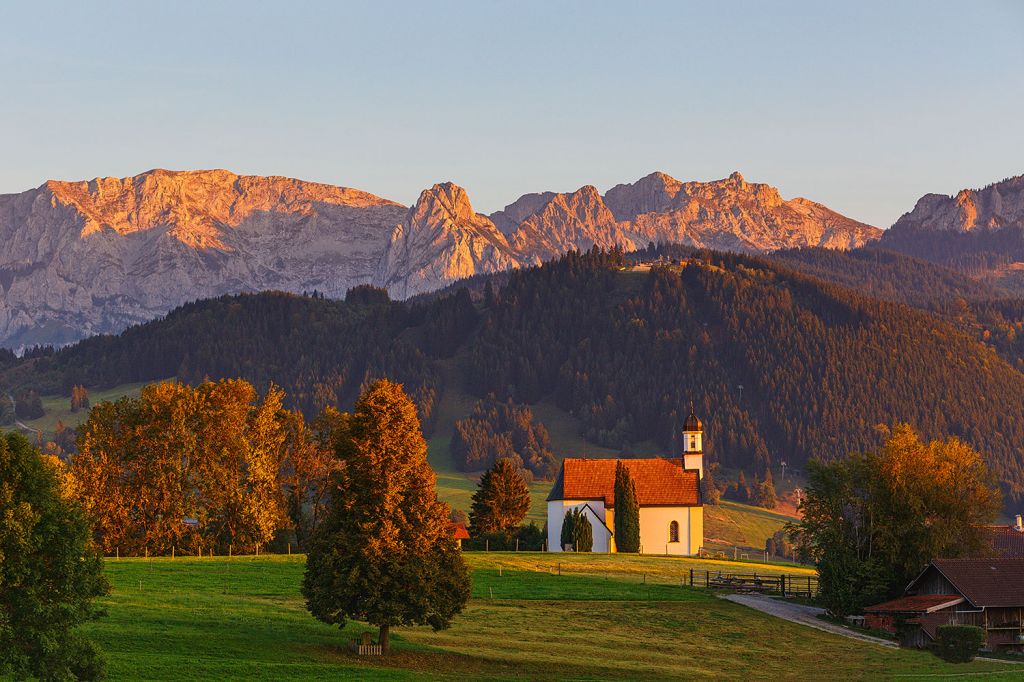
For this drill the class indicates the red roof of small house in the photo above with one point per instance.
(458, 530)
(1007, 541)
(659, 482)
(996, 581)
(924, 603)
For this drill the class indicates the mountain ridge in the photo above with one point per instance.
(95, 256)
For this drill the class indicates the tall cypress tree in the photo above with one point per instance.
(627, 511)
(384, 554)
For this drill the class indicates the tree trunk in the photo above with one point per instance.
(384, 639)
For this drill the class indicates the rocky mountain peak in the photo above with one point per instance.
(94, 256)
(998, 205)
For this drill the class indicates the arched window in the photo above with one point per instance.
(693, 442)
(673, 531)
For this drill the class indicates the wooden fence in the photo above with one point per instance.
(783, 585)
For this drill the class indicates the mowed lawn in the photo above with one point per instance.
(604, 617)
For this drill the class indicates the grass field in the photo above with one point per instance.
(58, 408)
(244, 619)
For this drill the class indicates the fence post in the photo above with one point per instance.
(172, 551)
(517, 544)
(782, 586)
(691, 577)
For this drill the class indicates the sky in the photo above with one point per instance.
(863, 106)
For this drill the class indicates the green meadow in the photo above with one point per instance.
(603, 617)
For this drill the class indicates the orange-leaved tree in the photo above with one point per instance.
(384, 553)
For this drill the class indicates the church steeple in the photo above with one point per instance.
(693, 443)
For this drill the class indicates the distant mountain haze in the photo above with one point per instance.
(82, 258)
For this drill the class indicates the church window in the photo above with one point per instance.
(673, 531)
(693, 442)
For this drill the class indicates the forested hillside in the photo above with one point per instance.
(624, 349)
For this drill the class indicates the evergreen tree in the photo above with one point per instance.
(765, 492)
(568, 537)
(710, 492)
(49, 572)
(501, 501)
(583, 532)
(627, 511)
(384, 553)
(577, 533)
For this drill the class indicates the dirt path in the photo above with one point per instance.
(804, 615)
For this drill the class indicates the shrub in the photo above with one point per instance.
(958, 643)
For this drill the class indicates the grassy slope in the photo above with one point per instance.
(730, 524)
(58, 408)
(244, 618)
(740, 525)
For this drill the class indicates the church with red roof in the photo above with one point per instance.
(668, 492)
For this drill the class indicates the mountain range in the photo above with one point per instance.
(83, 258)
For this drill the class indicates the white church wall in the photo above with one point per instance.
(654, 530)
(595, 514)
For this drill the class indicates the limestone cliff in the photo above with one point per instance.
(999, 205)
(81, 258)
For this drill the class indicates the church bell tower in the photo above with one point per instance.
(693, 445)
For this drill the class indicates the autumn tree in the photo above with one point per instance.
(214, 453)
(384, 554)
(79, 398)
(873, 521)
(49, 572)
(311, 461)
(501, 500)
(627, 511)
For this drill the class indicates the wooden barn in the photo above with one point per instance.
(988, 593)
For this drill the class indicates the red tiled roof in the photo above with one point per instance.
(1006, 541)
(997, 581)
(658, 481)
(458, 530)
(916, 604)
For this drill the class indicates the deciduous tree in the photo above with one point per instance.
(873, 521)
(49, 572)
(384, 553)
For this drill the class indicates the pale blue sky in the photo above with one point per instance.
(863, 106)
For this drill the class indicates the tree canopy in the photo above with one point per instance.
(49, 571)
(384, 554)
(873, 521)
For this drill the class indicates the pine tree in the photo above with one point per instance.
(710, 493)
(627, 511)
(501, 501)
(568, 537)
(49, 573)
(384, 553)
(765, 496)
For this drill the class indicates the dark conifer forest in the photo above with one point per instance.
(625, 349)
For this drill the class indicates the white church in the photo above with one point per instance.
(671, 508)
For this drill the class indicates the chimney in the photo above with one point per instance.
(1019, 524)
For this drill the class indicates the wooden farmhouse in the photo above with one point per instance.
(988, 593)
(668, 491)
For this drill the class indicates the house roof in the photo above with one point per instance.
(458, 530)
(1006, 541)
(995, 581)
(924, 603)
(659, 482)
